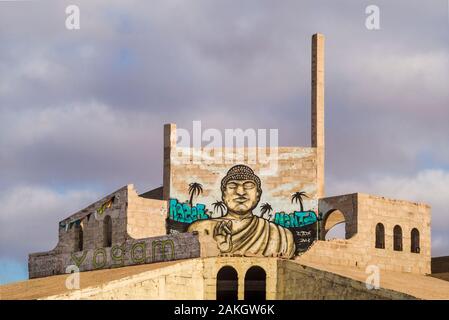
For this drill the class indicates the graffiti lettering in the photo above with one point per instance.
(99, 251)
(162, 245)
(304, 237)
(184, 212)
(106, 205)
(137, 254)
(296, 219)
(304, 233)
(118, 258)
(127, 253)
(79, 261)
(134, 257)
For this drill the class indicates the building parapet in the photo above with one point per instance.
(131, 252)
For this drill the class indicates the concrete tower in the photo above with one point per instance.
(318, 107)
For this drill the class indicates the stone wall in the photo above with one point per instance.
(407, 215)
(298, 282)
(285, 280)
(283, 171)
(347, 205)
(440, 264)
(132, 217)
(146, 217)
(213, 265)
(359, 249)
(91, 220)
(180, 281)
(131, 252)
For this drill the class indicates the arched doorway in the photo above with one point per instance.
(255, 284)
(334, 226)
(227, 284)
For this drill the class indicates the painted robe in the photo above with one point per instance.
(252, 236)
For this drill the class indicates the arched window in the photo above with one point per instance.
(334, 226)
(397, 238)
(380, 236)
(79, 241)
(415, 241)
(227, 284)
(107, 232)
(255, 284)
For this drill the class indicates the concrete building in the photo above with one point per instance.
(241, 223)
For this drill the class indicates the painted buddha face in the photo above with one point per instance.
(241, 196)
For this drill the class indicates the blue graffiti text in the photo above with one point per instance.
(183, 212)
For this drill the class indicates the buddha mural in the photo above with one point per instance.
(239, 232)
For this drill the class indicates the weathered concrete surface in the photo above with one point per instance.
(55, 285)
(131, 252)
(440, 264)
(132, 217)
(443, 276)
(416, 285)
(361, 213)
(286, 279)
(318, 140)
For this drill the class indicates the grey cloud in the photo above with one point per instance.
(82, 145)
(30, 216)
(86, 108)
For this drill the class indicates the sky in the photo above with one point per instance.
(82, 111)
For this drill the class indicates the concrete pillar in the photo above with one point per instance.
(169, 148)
(318, 107)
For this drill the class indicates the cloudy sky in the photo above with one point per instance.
(82, 111)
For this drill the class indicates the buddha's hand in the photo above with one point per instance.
(223, 235)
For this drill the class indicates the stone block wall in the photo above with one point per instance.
(131, 252)
(132, 217)
(407, 215)
(336, 252)
(92, 218)
(182, 280)
(295, 171)
(440, 264)
(297, 282)
(44, 264)
(285, 280)
(359, 249)
(213, 265)
(347, 205)
(145, 217)
(283, 171)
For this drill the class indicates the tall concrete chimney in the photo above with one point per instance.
(169, 148)
(318, 107)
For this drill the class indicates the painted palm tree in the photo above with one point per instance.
(265, 208)
(219, 205)
(298, 197)
(195, 189)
